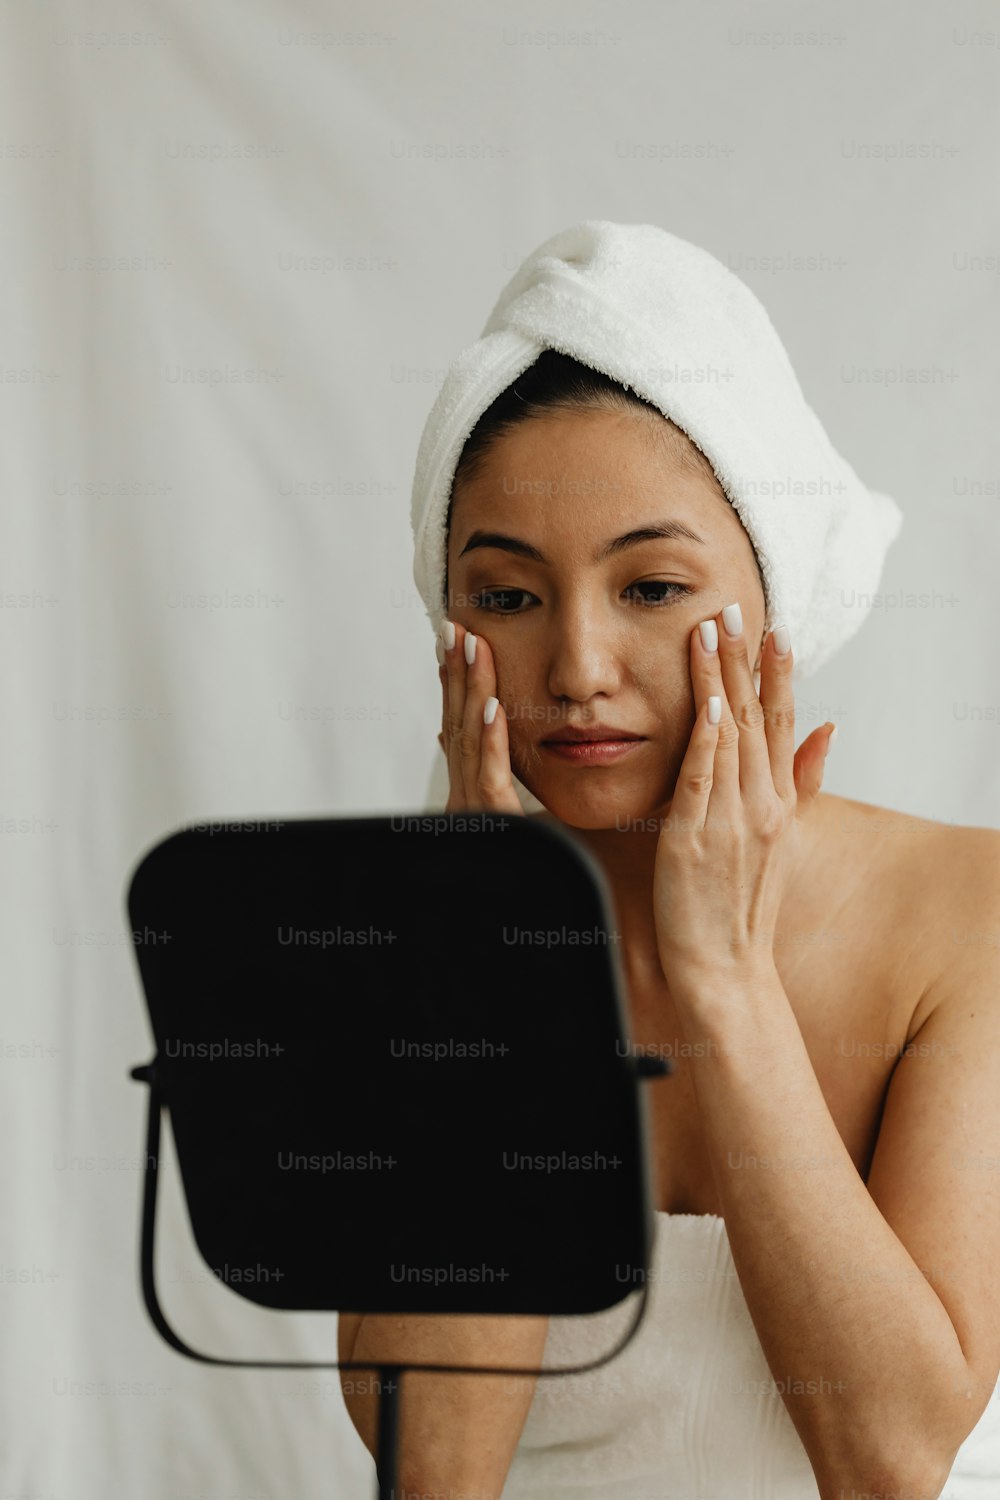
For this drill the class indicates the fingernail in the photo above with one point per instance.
(732, 618)
(490, 711)
(709, 636)
(439, 650)
(782, 640)
(832, 736)
(714, 709)
(448, 635)
(470, 649)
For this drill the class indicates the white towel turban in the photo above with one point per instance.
(662, 316)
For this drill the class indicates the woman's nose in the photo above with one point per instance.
(584, 658)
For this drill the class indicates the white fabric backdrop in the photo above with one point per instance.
(207, 602)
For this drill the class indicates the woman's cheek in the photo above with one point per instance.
(667, 693)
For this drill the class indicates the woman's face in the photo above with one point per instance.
(594, 628)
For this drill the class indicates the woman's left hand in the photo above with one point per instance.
(733, 833)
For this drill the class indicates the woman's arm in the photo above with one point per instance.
(457, 1433)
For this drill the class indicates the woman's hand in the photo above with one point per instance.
(478, 753)
(734, 831)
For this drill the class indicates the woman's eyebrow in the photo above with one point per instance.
(654, 531)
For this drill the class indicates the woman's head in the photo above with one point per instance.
(593, 627)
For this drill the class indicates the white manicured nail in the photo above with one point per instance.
(709, 635)
(714, 709)
(782, 640)
(470, 649)
(732, 618)
(448, 635)
(490, 711)
(439, 650)
(833, 735)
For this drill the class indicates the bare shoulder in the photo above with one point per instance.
(936, 884)
(966, 881)
(893, 840)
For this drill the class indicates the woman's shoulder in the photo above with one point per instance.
(901, 836)
(936, 884)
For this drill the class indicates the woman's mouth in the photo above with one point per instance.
(592, 752)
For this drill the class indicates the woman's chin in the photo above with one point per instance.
(592, 806)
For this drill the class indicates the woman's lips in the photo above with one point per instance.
(591, 752)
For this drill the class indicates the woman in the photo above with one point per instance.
(606, 648)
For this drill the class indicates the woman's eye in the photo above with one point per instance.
(672, 590)
(497, 601)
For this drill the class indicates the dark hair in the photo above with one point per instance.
(557, 382)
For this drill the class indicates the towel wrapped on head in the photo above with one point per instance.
(667, 320)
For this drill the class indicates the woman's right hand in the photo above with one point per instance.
(478, 754)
